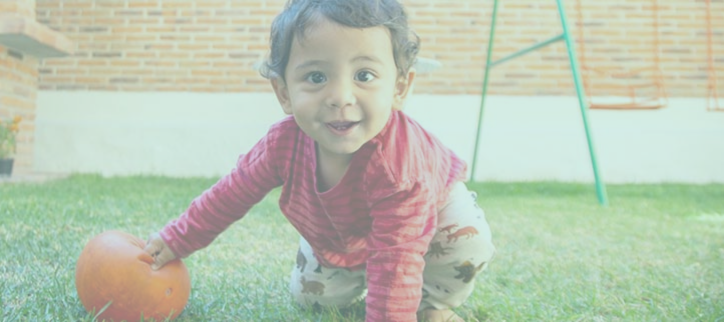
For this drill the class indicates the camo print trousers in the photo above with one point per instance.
(460, 249)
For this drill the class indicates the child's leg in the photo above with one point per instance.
(461, 248)
(313, 284)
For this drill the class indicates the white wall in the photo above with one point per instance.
(523, 138)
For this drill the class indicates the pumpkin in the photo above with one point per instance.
(113, 268)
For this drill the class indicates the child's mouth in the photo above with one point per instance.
(341, 127)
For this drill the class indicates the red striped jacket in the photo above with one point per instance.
(380, 217)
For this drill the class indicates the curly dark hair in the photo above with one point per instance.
(298, 15)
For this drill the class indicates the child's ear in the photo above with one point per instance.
(403, 88)
(282, 92)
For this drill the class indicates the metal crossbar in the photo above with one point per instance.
(565, 36)
(527, 50)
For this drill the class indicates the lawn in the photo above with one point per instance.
(655, 254)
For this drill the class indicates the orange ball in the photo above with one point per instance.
(114, 268)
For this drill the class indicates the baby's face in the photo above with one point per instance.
(340, 85)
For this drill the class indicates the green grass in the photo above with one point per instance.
(655, 254)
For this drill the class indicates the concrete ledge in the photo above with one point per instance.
(32, 38)
(523, 138)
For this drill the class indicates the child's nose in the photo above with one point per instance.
(341, 93)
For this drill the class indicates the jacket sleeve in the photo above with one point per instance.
(227, 201)
(403, 225)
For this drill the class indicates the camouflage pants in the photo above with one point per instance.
(460, 249)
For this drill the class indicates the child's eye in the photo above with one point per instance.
(364, 76)
(316, 78)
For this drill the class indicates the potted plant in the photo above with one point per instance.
(8, 133)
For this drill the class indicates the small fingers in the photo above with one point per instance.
(153, 247)
(163, 257)
(156, 247)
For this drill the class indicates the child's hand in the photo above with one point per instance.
(157, 248)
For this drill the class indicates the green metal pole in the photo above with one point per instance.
(527, 50)
(600, 186)
(488, 66)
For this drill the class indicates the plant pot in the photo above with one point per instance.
(6, 167)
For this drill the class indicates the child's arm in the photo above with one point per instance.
(227, 201)
(218, 207)
(403, 225)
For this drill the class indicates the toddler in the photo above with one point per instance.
(380, 203)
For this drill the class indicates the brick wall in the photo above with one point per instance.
(212, 45)
(25, 8)
(18, 86)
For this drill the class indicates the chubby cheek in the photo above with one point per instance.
(379, 115)
(302, 103)
(384, 104)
